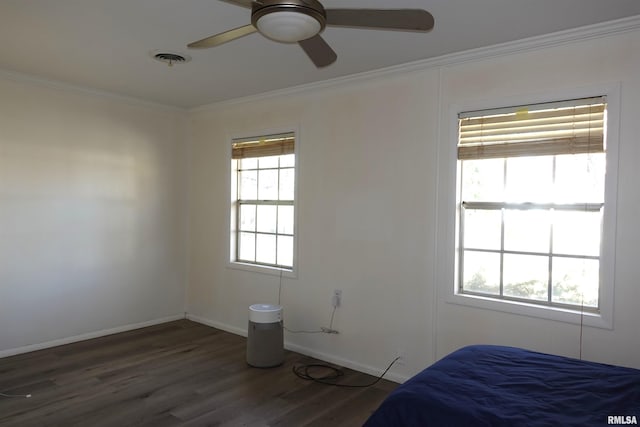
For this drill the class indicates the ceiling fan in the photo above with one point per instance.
(302, 21)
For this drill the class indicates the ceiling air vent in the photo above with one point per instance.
(170, 58)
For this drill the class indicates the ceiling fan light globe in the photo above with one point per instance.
(288, 26)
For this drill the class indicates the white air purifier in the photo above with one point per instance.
(265, 339)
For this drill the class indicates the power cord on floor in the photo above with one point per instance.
(15, 395)
(303, 371)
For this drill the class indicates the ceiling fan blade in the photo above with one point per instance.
(221, 38)
(391, 19)
(242, 3)
(318, 51)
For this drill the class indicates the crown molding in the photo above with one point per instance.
(600, 30)
(84, 90)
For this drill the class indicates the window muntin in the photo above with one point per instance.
(263, 202)
(531, 204)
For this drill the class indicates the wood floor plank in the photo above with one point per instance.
(175, 374)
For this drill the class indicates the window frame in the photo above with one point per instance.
(450, 212)
(233, 206)
(550, 254)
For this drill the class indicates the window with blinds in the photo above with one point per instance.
(567, 127)
(531, 198)
(263, 201)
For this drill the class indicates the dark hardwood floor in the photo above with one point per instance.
(175, 374)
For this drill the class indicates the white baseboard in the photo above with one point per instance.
(347, 363)
(88, 336)
(391, 376)
(218, 325)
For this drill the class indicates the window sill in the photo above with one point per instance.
(262, 269)
(596, 320)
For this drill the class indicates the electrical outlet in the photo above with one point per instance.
(336, 298)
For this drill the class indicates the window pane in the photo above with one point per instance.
(247, 250)
(266, 248)
(482, 228)
(266, 221)
(580, 178)
(248, 217)
(269, 162)
(526, 230)
(287, 177)
(268, 184)
(576, 233)
(481, 272)
(285, 219)
(526, 276)
(575, 281)
(248, 185)
(287, 161)
(483, 180)
(285, 250)
(529, 179)
(251, 163)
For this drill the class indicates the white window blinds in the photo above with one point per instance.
(565, 127)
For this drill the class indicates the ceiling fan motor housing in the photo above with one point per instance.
(289, 21)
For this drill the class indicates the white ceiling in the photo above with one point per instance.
(105, 44)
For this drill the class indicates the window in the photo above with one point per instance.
(263, 196)
(531, 192)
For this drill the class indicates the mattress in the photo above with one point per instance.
(484, 385)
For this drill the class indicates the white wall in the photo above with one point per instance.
(608, 61)
(92, 224)
(371, 189)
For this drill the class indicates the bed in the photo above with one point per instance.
(484, 385)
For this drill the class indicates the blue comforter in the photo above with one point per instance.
(487, 385)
